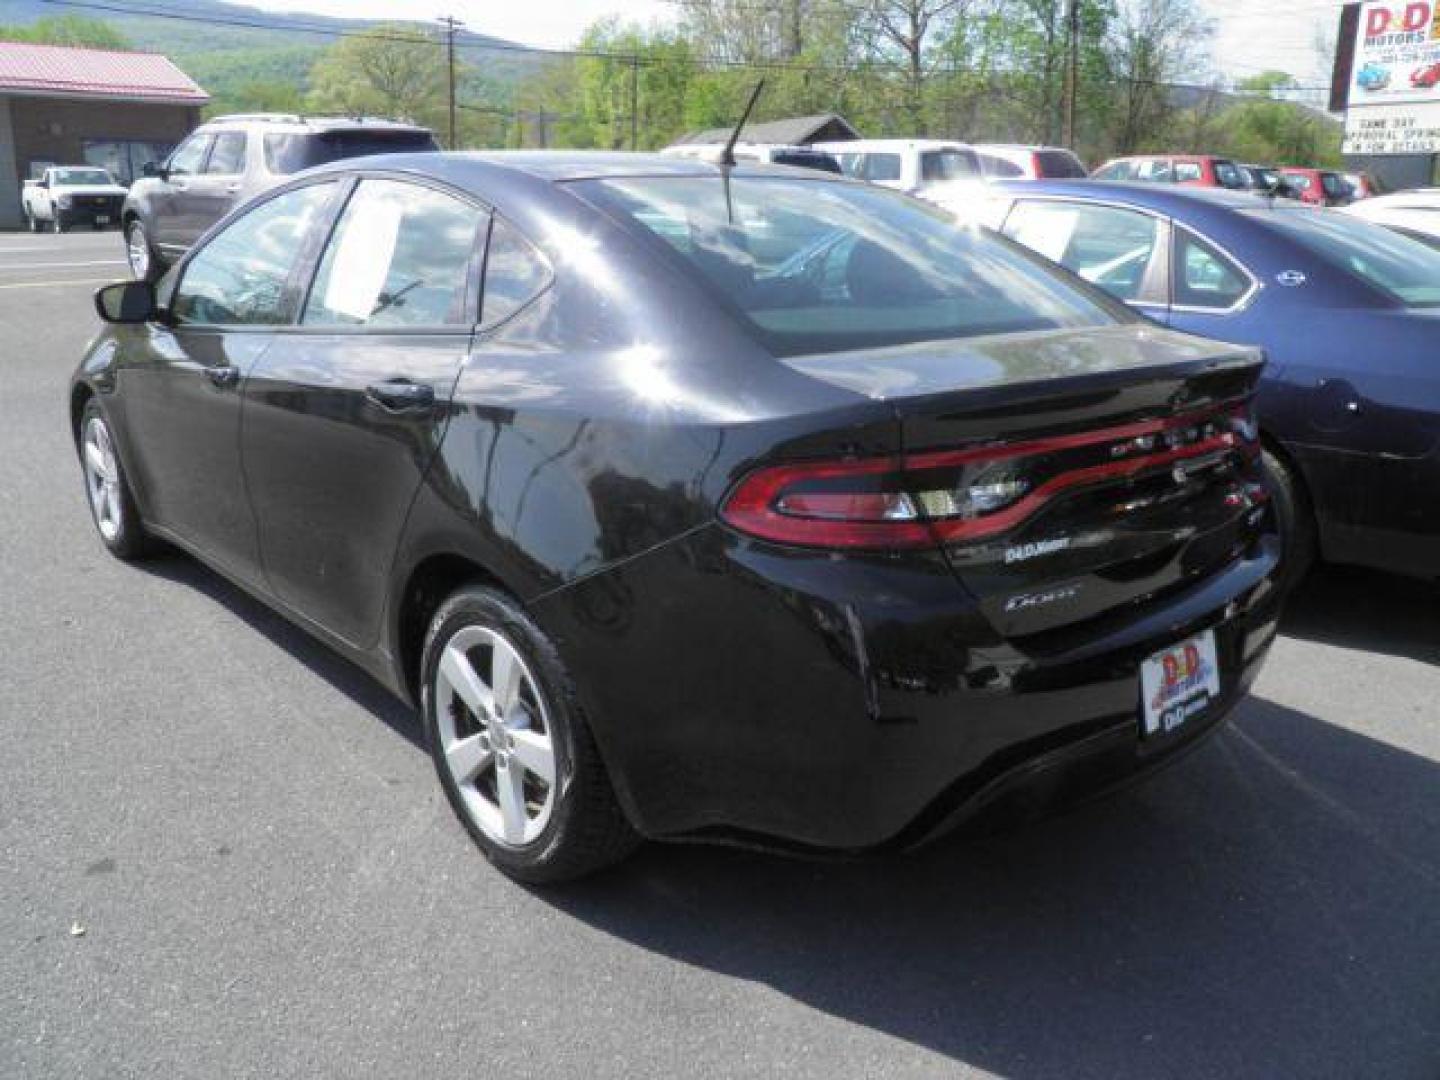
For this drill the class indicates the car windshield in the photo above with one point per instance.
(821, 266)
(1398, 266)
(77, 177)
(289, 152)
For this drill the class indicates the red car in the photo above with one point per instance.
(1319, 187)
(1426, 77)
(1192, 170)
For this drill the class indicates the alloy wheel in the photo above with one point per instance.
(102, 478)
(495, 736)
(137, 252)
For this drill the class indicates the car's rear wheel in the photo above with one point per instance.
(512, 748)
(145, 264)
(112, 505)
(1296, 519)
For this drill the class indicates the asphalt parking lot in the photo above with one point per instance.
(223, 853)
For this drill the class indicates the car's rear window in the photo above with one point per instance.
(76, 177)
(1059, 165)
(289, 152)
(815, 160)
(822, 266)
(1404, 269)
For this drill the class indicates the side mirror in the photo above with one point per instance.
(152, 168)
(126, 302)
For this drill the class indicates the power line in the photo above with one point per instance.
(629, 58)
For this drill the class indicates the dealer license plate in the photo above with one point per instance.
(102, 219)
(1178, 684)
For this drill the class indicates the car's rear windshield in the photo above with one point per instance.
(818, 266)
(1059, 165)
(289, 152)
(1402, 268)
(76, 177)
(812, 160)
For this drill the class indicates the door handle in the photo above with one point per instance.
(225, 375)
(397, 395)
(232, 188)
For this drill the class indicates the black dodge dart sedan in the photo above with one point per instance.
(744, 503)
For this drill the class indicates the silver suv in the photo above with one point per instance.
(227, 160)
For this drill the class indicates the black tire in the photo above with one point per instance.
(134, 232)
(128, 541)
(586, 829)
(1296, 520)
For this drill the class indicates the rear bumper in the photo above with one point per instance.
(845, 703)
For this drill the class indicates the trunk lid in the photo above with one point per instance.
(1108, 466)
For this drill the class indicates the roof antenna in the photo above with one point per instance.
(727, 156)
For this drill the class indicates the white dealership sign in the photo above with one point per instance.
(1393, 129)
(1395, 80)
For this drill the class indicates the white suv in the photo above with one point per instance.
(940, 170)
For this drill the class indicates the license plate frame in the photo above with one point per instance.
(1178, 684)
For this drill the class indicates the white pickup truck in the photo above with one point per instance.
(66, 195)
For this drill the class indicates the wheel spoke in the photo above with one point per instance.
(112, 504)
(505, 676)
(466, 757)
(510, 787)
(459, 674)
(535, 752)
(96, 459)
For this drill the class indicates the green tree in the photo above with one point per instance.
(394, 70)
(68, 30)
(1267, 128)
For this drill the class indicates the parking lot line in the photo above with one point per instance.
(62, 265)
(54, 284)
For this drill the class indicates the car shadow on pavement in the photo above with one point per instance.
(1365, 609)
(349, 679)
(1267, 908)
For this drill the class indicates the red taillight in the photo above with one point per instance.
(959, 496)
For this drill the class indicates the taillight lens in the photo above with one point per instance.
(958, 496)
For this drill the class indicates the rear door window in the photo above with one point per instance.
(401, 256)
(1205, 277)
(1116, 170)
(1108, 246)
(1229, 175)
(940, 166)
(1188, 172)
(1155, 170)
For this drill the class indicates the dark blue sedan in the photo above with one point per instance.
(1347, 312)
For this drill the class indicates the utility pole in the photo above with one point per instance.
(635, 102)
(1072, 72)
(451, 24)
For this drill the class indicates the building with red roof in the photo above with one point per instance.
(61, 105)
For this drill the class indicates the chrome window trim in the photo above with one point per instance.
(1244, 301)
(1240, 304)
